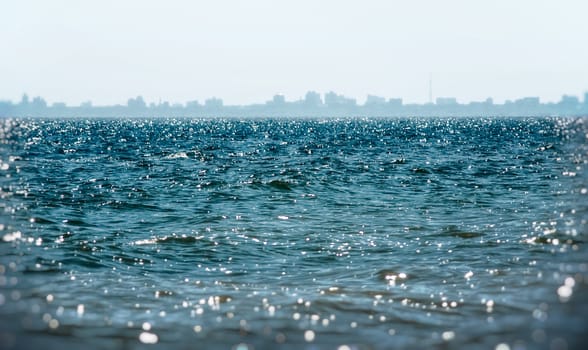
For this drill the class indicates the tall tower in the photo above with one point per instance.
(431, 88)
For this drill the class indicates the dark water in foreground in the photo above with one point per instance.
(316, 234)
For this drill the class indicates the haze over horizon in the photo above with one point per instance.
(247, 51)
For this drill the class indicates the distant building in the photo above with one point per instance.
(39, 103)
(192, 104)
(5, 108)
(568, 101)
(136, 103)
(213, 103)
(374, 100)
(487, 103)
(332, 100)
(395, 102)
(24, 101)
(446, 101)
(313, 99)
(278, 100)
(527, 102)
(586, 98)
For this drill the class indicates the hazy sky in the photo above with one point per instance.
(246, 51)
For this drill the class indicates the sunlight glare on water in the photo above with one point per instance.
(295, 233)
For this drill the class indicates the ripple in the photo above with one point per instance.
(351, 233)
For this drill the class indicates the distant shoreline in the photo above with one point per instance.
(313, 105)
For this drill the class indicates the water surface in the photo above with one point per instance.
(318, 234)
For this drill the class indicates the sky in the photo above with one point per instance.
(246, 51)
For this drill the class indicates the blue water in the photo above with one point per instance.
(294, 234)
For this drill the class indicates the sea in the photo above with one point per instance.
(294, 233)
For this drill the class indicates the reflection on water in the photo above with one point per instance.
(261, 234)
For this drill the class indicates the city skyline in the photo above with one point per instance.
(370, 99)
(314, 104)
(70, 51)
(431, 97)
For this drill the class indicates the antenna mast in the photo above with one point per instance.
(431, 88)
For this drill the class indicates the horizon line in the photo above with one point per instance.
(370, 99)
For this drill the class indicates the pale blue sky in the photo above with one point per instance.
(246, 51)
